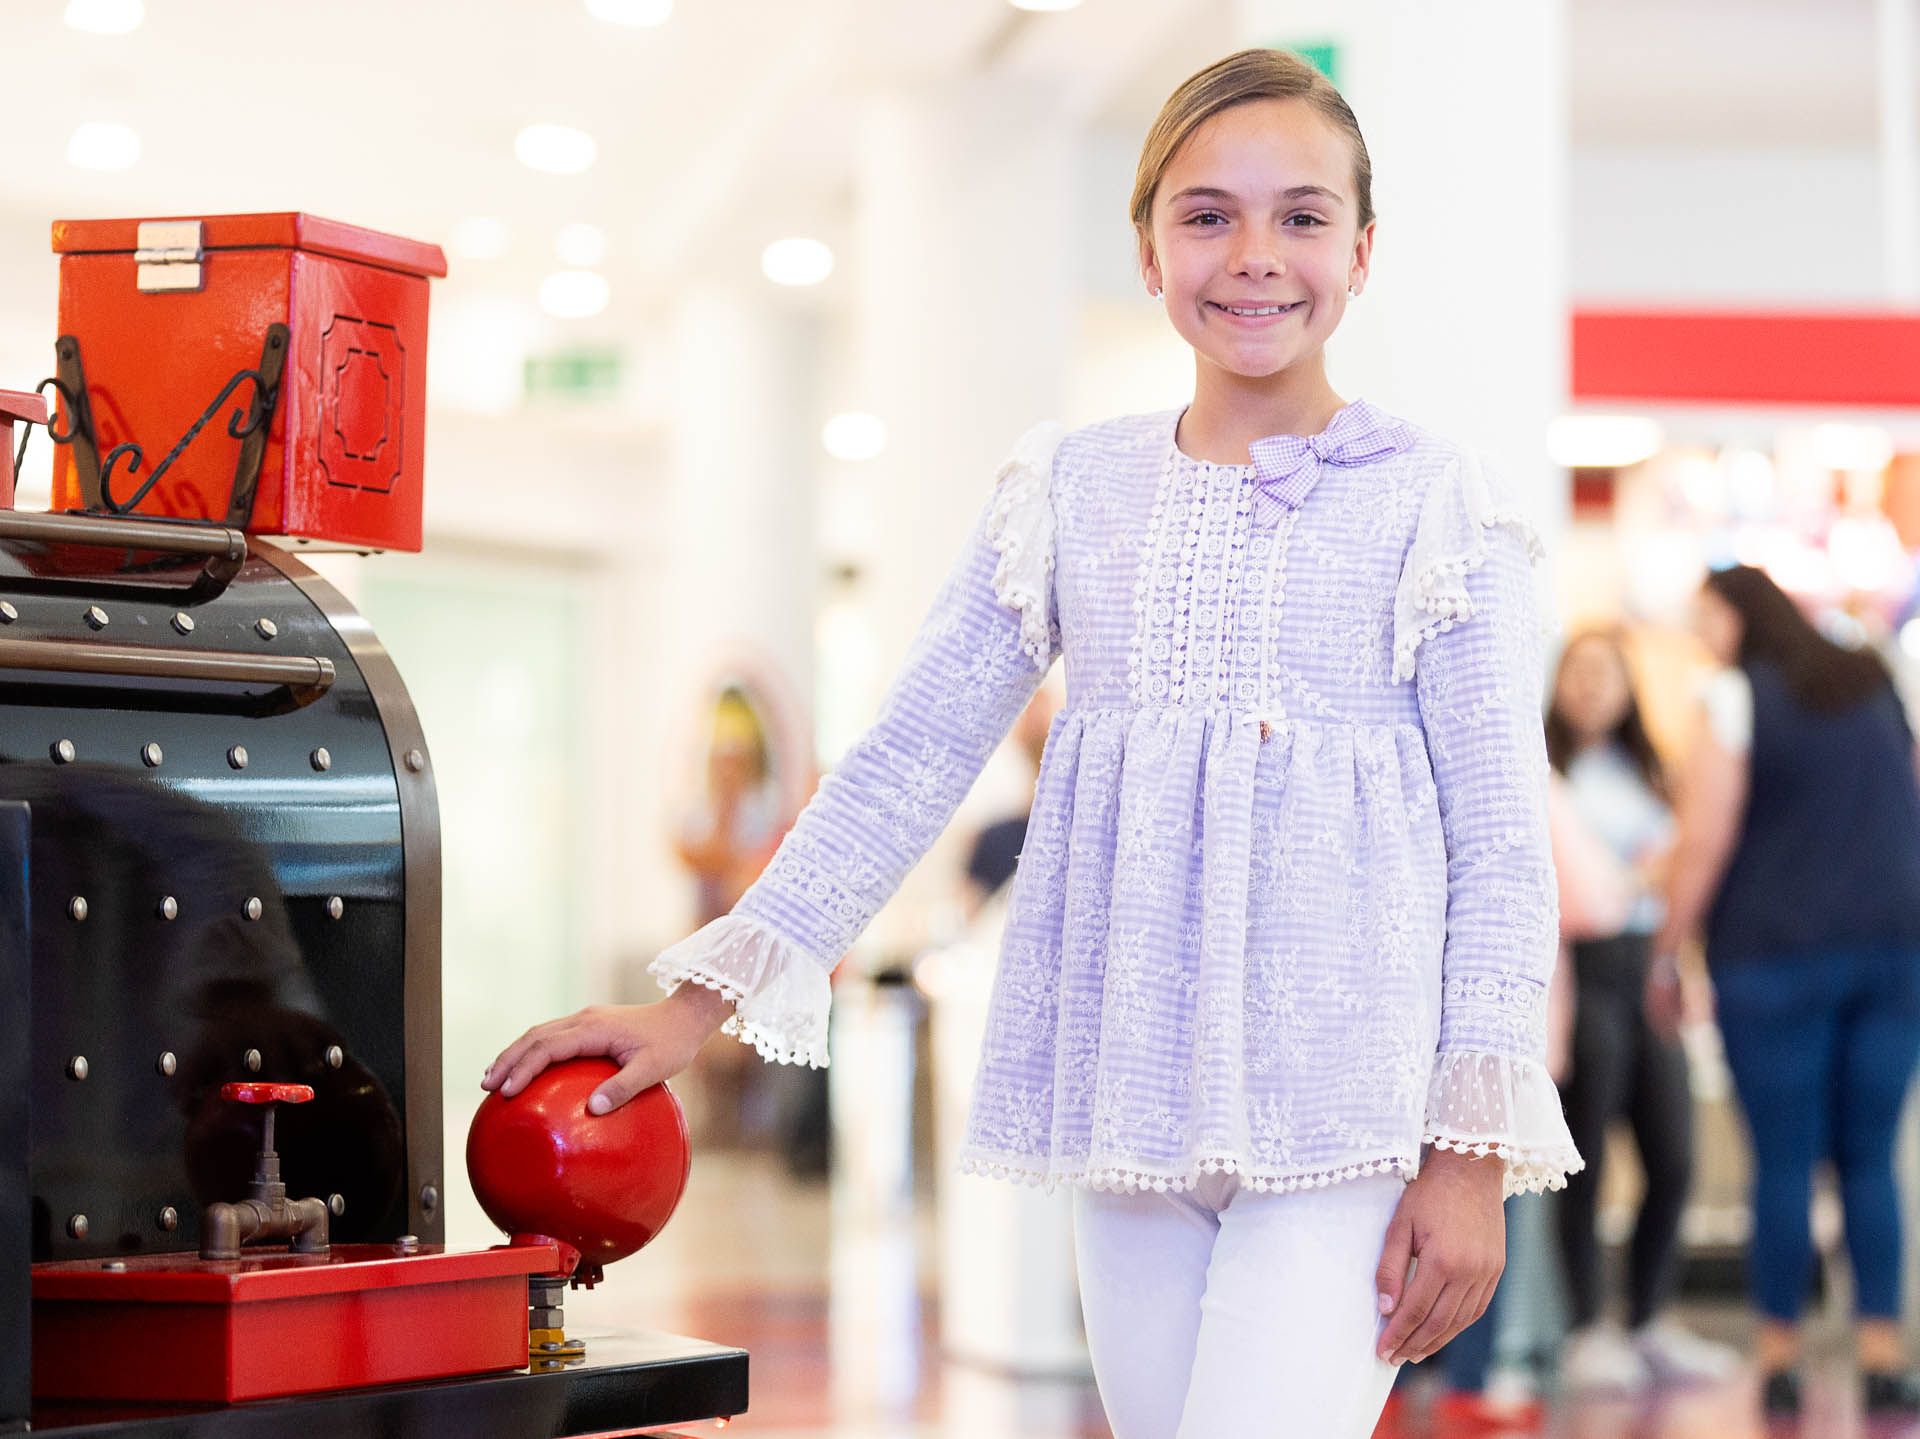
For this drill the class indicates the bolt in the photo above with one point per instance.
(77, 908)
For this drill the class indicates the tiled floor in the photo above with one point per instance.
(834, 1303)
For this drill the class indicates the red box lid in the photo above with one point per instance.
(277, 1274)
(23, 405)
(289, 230)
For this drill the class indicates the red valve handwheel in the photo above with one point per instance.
(259, 1092)
(603, 1183)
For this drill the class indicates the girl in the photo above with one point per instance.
(1799, 856)
(1285, 915)
(1615, 790)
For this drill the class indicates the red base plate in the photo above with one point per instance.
(177, 1328)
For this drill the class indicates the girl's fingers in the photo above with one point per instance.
(567, 1043)
(638, 1073)
(1439, 1325)
(1411, 1312)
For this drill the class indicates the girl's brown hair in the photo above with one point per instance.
(1563, 742)
(1244, 76)
(1823, 676)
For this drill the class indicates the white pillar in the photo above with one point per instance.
(1894, 41)
(1464, 324)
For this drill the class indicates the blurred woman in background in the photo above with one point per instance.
(1615, 833)
(1799, 853)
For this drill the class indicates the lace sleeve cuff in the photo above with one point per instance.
(1495, 1104)
(780, 995)
(1449, 544)
(1020, 528)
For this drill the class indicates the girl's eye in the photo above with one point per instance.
(1304, 221)
(1204, 216)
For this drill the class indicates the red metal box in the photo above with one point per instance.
(175, 1328)
(167, 312)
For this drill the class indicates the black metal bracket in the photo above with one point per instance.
(248, 424)
(69, 381)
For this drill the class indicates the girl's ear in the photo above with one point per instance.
(1149, 263)
(1362, 262)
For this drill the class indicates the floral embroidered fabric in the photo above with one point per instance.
(1285, 906)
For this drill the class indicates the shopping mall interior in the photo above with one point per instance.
(744, 304)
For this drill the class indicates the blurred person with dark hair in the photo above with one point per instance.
(1615, 832)
(1799, 856)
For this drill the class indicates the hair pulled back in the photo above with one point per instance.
(1243, 77)
(1823, 676)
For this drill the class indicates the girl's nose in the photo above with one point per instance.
(1258, 256)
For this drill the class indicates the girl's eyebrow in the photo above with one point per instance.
(1296, 192)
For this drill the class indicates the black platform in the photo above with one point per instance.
(627, 1382)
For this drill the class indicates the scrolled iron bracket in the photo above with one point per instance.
(249, 424)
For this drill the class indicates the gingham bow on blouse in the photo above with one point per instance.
(1286, 466)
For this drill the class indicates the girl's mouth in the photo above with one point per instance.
(1254, 315)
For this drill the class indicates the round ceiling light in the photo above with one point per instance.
(574, 294)
(555, 149)
(796, 260)
(854, 436)
(105, 17)
(103, 145)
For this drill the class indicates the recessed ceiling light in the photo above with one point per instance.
(555, 149)
(103, 145)
(639, 14)
(796, 261)
(574, 294)
(1046, 5)
(1602, 442)
(105, 17)
(854, 436)
(479, 237)
(580, 245)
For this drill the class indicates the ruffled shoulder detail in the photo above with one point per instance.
(1450, 543)
(1495, 1104)
(780, 994)
(1020, 528)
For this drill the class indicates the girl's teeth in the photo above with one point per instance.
(1263, 310)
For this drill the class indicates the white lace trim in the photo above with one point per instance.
(1021, 529)
(1128, 1181)
(1494, 1104)
(1449, 544)
(780, 995)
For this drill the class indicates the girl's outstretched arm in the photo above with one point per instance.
(978, 658)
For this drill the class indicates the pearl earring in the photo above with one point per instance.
(1154, 293)
(1352, 294)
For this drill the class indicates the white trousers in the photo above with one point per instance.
(1221, 1311)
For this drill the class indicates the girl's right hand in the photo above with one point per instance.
(650, 1042)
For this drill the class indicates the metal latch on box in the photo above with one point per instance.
(169, 255)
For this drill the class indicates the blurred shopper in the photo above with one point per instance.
(1799, 853)
(1270, 999)
(1613, 832)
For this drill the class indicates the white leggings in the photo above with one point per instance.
(1222, 1311)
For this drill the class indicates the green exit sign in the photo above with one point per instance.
(589, 374)
(1323, 55)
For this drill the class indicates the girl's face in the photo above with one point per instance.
(1256, 236)
(1718, 625)
(1593, 690)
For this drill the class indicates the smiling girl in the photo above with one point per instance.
(1272, 996)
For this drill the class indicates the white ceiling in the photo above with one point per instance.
(736, 122)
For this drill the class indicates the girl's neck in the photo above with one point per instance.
(1229, 412)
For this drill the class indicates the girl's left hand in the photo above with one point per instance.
(1452, 1222)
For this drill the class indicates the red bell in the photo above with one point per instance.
(603, 1184)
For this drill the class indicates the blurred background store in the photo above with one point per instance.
(747, 300)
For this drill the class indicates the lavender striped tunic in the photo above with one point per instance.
(1286, 907)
